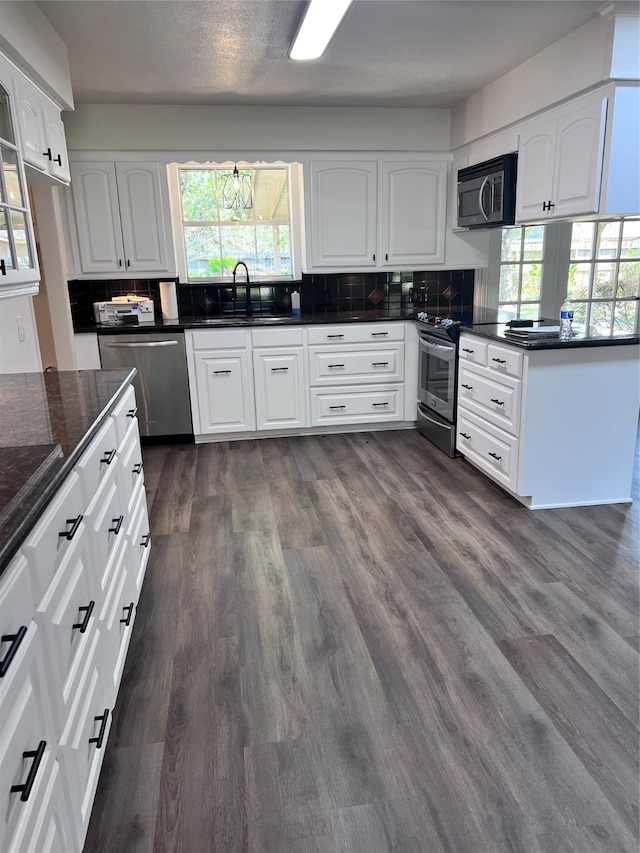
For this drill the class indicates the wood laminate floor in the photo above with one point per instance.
(354, 643)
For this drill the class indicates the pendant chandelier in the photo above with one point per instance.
(236, 191)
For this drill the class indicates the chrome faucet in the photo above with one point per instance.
(248, 306)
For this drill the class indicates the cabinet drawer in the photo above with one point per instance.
(83, 744)
(505, 360)
(345, 405)
(356, 333)
(341, 366)
(27, 740)
(130, 465)
(219, 339)
(473, 350)
(16, 612)
(280, 337)
(67, 616)
(493, 450)
(98, 460)
(52, 536)
(116, 624)
(107, 521)
(51, 830)
(496, 398)
(138, 541)
(124, 413)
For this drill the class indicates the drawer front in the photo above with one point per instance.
(16, 612)
(107, 520)
(100, 458)
(52, 537)
(218, 339)
(496, 398)
(356, 333)
(25, 725)
(130, 465)
(473, 350)
(124, 413)
(116, 624)
(51, 830)
(344, 405)
(490, 448)
(505, 360)
(67, 617)
(280, 337)
(334, 366)
(83, 744)
(139, 542)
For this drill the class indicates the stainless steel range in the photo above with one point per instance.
(437, 378)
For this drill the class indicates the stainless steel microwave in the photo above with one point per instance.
(487, 193)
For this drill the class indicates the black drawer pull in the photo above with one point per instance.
(337, 407)
(3, 266)
(85, 622)
(25, 790)
(15, 640)
(500, 360)
(109, 456)
(58, 160)
(117, 524)
(334, 336)
(221, 372)
(375, 405)
(464, 435)
(146, 539)
(48, 154)
(132, 412)
(279, 369)
(75, 524)
(335, 365)
(103, 726)
(471, 351)
(379, 334)
(127, 620)
(379, 364)
(137, 468)
(497, 402)
(495, 456)
(468, 387)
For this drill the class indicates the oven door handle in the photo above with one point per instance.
(432, 346)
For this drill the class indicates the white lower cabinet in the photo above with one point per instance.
(67, 607)
(348, 405)
(280, 388)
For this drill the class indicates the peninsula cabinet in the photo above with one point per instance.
(554, 427)
(67, 607)
(121, 219)
(376, 214)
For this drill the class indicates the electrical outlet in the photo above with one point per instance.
(20, 325)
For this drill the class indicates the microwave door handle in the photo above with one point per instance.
(480, 198)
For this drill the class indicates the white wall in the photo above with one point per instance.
(18, 356)
(578, 61)
(132, 127)
(28, 38)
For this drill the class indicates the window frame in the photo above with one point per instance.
(294, 172)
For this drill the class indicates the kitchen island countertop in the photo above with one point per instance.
(46, 421)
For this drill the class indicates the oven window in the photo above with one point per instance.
(435, 374)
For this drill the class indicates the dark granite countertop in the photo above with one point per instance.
(46, 421)
(161, 325)
(518, 337)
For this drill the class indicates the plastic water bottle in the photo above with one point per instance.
(566, 321)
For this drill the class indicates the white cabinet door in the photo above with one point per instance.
(224, 391)
(280, 388)
(29, 108)
(413, 205)
(120, 217)
(343, 214)
(141, 214)
(560, 163)
(95, 199)
(56, 140)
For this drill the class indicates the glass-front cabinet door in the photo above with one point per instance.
(18, 262)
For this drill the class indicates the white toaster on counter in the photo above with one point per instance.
(124, 310)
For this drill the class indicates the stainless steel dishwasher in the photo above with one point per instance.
(161, 382)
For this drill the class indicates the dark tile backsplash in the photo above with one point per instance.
(385, 294)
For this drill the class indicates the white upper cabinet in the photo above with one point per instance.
(120, 218)
(42, 137)
(560, 161)
(376, 214)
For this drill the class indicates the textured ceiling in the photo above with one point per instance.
(419, 53)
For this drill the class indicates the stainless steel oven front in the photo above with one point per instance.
(437, 388)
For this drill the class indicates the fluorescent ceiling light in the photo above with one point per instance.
(320, 22)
